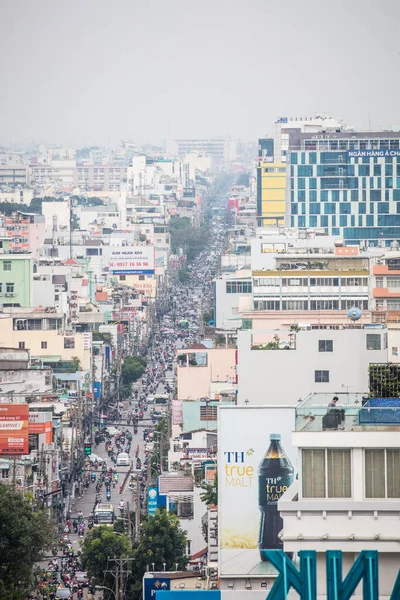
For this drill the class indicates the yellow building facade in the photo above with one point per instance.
(271, 191)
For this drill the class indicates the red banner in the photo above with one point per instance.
(14, 423)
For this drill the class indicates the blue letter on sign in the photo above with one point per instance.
(303, 581)
(365, 569)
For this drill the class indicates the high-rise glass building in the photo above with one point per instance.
(347, 183)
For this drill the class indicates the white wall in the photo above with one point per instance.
(60, 210)
(284, 376)
(227, 306)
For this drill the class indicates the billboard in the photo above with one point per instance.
(256, 464)
(42, 422)
(14, 435)
(132, 260)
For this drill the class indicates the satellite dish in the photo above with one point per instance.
(354, 313)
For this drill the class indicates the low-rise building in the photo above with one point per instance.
(348, 488)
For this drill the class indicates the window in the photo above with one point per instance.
(181, 506)
(43, 345)
(69, 342)
(326, 473)
(141, 277)
(4, 473)
(21, 345)
(382, 473)
(7, 265)
(122, 277)
(379, 282)
(238, 287)
(9, 288)
(373, 341)
(321, 377)
(325, 345)
(393, 282)
(208, 413)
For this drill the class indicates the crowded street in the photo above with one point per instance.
(115, 476)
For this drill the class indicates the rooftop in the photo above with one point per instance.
(352, 412)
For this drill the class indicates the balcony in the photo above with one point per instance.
(353, 412)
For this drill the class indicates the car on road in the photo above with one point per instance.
(112, 430)
(123, 460)
(82, 578)
(64, 593)
(95, 458)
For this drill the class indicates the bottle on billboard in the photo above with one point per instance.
(275, 475)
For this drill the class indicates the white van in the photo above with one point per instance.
(123, 460)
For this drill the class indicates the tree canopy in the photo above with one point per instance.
(24, 536)
(102, 543)
(133, 368)
(161, 541)
(184, 235)
(209, 494)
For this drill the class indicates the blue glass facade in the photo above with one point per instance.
(347, 186)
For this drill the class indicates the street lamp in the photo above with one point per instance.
(103, 587)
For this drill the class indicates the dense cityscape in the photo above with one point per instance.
(199, 346)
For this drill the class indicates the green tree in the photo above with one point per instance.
(161, 541)
(133, 368)
(102, 543)
(210, 492)
(24, 536)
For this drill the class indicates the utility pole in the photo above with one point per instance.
(128, 512)
(116, 583)
(121, 574)
(137, 514)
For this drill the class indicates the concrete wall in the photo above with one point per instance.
(195, 382)
(284, 376)
(227, 306)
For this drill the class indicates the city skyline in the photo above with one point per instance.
(148, 71)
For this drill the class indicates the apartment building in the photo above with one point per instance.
(220, 149)
(13, 175)
(304, 280)
(17, 196)
(348, 488)
(45, 335)
(271, 193)
(25, 231)
(232, 295)
(15, 276)
(386, 283)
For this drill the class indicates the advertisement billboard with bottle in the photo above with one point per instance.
(256, 465)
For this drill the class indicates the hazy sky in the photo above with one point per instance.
(96, 71)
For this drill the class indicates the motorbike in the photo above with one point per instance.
(93, 477)
(108, 495)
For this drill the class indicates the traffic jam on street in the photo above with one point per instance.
(117, 469)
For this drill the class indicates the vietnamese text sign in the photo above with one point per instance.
(132, 260)
(373, 153)
(152, 501)
(247, 494)
(177, 412)
(14, 420)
